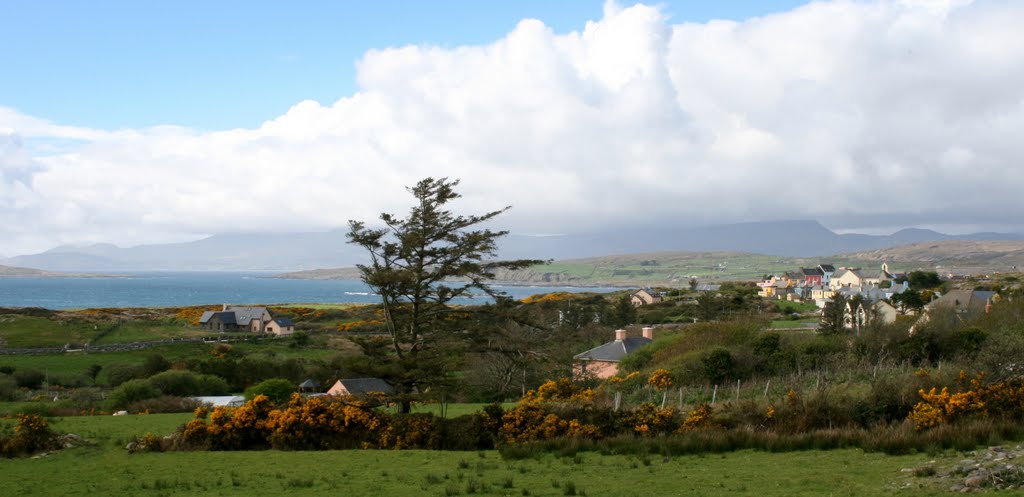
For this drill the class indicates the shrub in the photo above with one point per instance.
(155, 363)
(187, 383)
(120, 373)
(8, 388)
(31, 434)
(277, 390)
(29, 378)
(131, 391)
(718, 365)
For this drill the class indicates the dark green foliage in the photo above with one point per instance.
(719, 365)
(8, 388)
(93, 371)
(767, 344)
(920, 280)
(474, 431)
(131, 391)
(832, 316)
(120, 373)
(969, 340)
(155, 363)
(29, 378)
(164, 404)
(708, 307)
(278, 390)
(909, 300)
(622, 314)
(300, 339)
(889, 401)
(188, 384)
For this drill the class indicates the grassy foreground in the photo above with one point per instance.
(107, 469)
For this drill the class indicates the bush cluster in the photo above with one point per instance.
(323, 423)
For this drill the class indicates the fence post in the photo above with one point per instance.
(714, 395)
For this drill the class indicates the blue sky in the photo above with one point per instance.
(226, 64)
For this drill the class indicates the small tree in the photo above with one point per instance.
(718, 365)
(418, 265)
(908, 301)
(622, 313)
(833, 316)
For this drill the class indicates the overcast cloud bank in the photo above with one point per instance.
(862, 115)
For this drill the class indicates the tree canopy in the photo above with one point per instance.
(418, 265)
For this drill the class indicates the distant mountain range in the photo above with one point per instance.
(313, 250)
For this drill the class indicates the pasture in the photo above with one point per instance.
(106, 468)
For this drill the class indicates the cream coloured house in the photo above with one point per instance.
(857, 277)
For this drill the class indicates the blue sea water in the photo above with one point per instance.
(169, 289)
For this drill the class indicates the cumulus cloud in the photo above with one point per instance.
(861, 114)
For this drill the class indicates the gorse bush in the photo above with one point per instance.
(969, 399)
(31, 434)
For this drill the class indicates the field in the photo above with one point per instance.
(105, 468)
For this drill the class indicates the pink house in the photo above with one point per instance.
(603, 361)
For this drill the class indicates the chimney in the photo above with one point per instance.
(648, 332)
(620, 335)
(224, 308)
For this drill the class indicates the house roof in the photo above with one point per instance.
(363, 386)
(966, 300)
(827, 268)
(613, 351)
(284, 321)
(245, 314)
(226, 317)
(309, 383)
(812, 271)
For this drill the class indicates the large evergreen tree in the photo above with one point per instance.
(418, 265)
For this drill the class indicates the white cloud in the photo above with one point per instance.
(889, 112)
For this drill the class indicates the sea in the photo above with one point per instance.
(172, 289)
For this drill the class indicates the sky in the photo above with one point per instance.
(144, 122)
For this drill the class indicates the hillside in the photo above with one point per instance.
(297, 251)
(677, 268)
(956, 257)
(24, 272)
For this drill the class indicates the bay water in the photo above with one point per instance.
(169, 289)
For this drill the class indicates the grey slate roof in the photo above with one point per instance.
(284, 321)
(245, 314)
(363, 386)
(309, 384)
(812, 271)
(827, 268)
(226, 317)
(963, 300)
(613, 351)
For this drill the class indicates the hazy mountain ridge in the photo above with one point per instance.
(317, 250)
(24, 272)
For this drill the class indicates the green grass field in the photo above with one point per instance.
(107, 469)
(77, 362)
